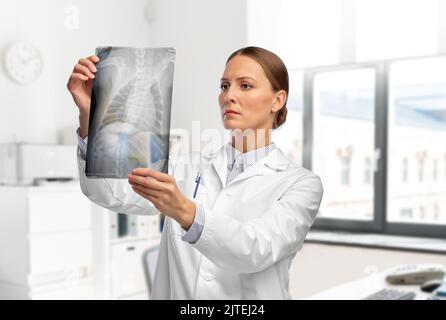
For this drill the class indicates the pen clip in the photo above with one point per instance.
(197, 183)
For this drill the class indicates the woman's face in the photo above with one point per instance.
(247, 99)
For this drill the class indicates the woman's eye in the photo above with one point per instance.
(246, 86)
(224, 86)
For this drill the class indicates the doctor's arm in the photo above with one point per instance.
(254, 245)
(114, 194)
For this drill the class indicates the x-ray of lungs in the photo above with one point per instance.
(130, 111)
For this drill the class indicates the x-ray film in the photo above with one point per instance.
(130, 111)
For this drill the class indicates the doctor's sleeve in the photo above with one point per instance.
(113, 194)
(254, 245)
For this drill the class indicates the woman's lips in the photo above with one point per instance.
(231, 112)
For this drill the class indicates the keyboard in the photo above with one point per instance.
(391, 294)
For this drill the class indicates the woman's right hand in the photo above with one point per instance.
(80, 85)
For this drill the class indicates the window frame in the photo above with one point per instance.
(379, 224)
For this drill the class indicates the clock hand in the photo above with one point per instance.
(30, 58)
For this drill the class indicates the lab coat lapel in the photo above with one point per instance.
(274, 161)
(219, 163)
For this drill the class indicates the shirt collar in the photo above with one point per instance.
(250, 157)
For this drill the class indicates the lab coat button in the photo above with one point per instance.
(208, 276)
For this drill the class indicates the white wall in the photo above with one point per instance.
(308, 33)
(442, 27)
(38, 111)
(203, 32)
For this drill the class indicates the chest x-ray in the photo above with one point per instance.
(130, 111)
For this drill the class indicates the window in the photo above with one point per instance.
(445, 167)
(422, 213)
(345, 170)
(404, 169)
(344, 104)
(369, 123)
(436, 212)
(395, 29)
(372, 124)
(416, 123)
(435, 170)
(367, 170)
(345, 31)
(420, 159)
(406, 214)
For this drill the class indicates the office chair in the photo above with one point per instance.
(149, 261)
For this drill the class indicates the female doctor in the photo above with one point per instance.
(235, 218)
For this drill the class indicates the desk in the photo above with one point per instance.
(361, 288)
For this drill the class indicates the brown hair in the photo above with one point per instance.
(275, 71)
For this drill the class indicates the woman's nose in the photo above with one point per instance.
(230, 96)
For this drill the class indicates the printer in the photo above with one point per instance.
(34, 164)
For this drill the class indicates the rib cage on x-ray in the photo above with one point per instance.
(130, 111)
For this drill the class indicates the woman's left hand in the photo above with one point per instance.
(162, 190)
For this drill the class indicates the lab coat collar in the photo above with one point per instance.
(248, 158)
(274, 161)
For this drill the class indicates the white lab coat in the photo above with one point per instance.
(253, 227)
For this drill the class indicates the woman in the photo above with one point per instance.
(235, 218)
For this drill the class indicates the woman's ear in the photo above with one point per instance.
(279, 100)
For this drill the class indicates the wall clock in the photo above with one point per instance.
(23, 62)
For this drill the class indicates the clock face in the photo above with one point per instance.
(23, 62)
